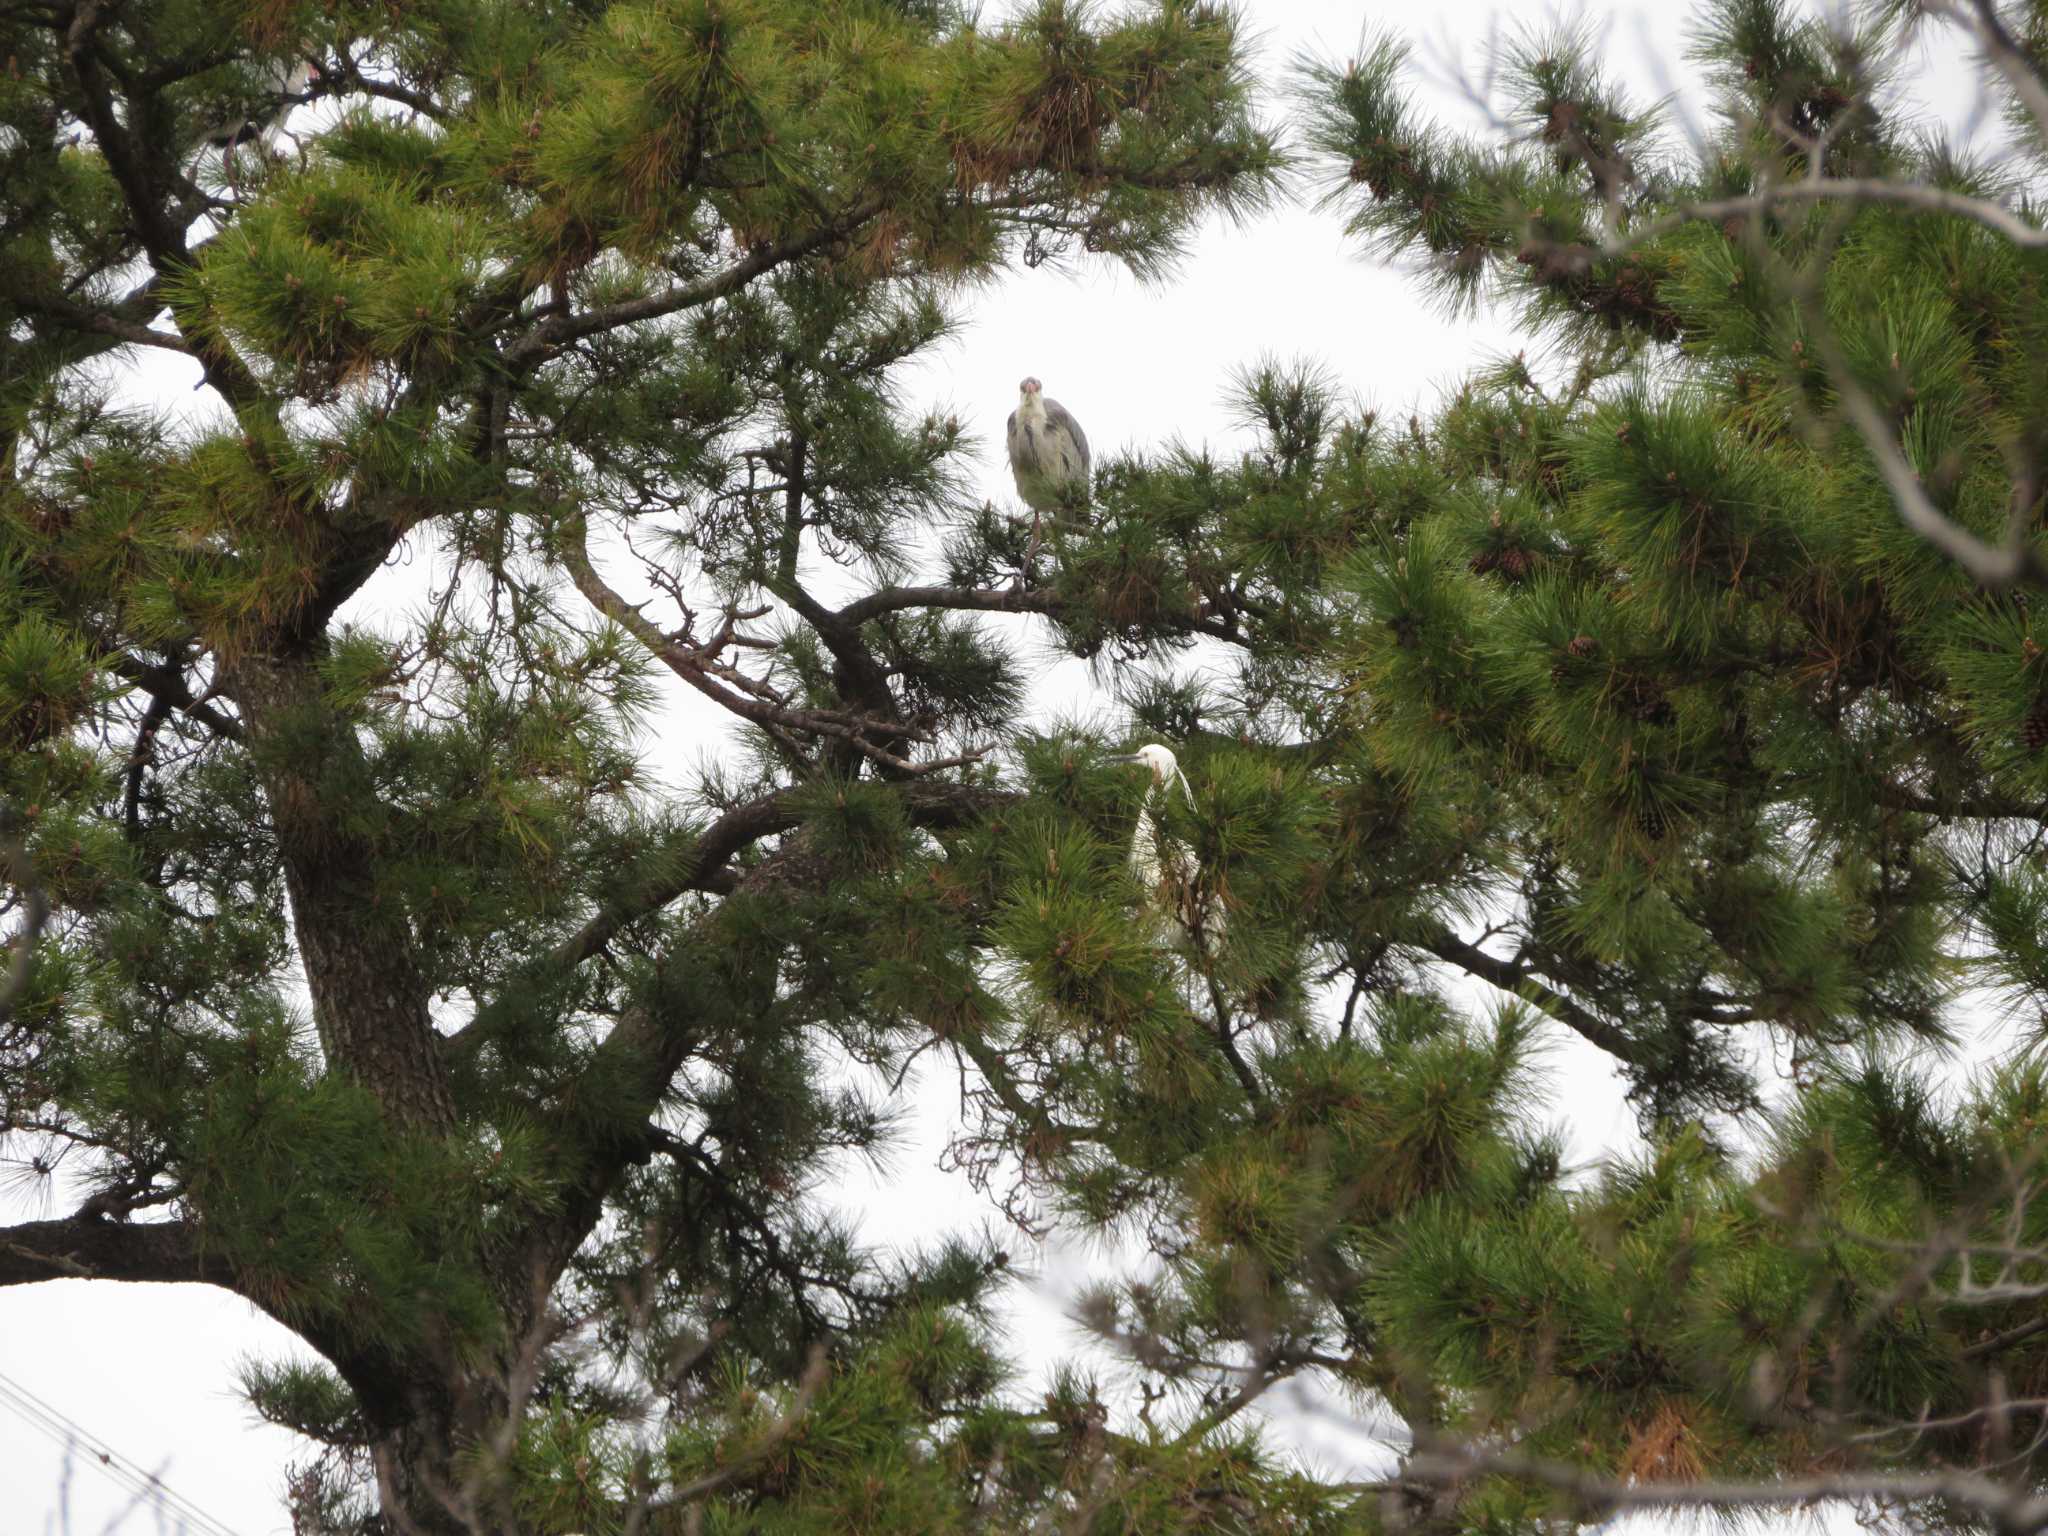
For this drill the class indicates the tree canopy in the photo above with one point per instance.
(1678, 688)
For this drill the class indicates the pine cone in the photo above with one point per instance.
(1515, 563)
(1583, 646)
(2034, 730)
(1486, 560)
(1651, 819)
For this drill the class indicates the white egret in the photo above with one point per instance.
(286, 84)
(1145, 861)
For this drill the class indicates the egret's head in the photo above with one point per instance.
(1160, 760)
(1029, 391)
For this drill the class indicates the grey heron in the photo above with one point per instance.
(1048, 450)
(1048, 456)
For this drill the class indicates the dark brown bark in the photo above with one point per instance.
(96, 1248)
(369, 998)
(440, 1459)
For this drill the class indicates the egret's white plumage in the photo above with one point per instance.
(1048, 451)
(287, 82)
(1165, 767)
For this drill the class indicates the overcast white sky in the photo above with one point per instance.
(149, 1369)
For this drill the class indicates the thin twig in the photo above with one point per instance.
(712, 1482)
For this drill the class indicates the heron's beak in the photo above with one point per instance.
(1124, 757)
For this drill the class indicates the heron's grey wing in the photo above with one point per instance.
(1015, 441)
(1060, 419)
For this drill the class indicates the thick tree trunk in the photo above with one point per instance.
(439, 1436)
(436, 1415)
(369, 1000)
(440, 1470)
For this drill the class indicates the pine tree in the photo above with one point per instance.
(386, 982)
(1681, 687)
(1698, 667)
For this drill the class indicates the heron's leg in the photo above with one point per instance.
(1029, 564)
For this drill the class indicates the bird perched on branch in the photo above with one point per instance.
(1165, 768)
(1048, 451)
(1048, 456)
(286, 84)
(1168, 874)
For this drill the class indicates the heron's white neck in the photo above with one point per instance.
(1165, 781)
(1031, 406)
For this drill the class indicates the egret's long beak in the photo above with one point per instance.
(1124, 757)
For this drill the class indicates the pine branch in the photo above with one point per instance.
(161, 236)
(1995, 567)
(699, 1489)
(1519, 982)
(101, 322)
(864, 678)
(1998, 1343)
(561, 329)
(2011, 1509)
(350, 71)
(92, 1248)
(704, 868)
(164, 240)
(767, 1241)
(166, 682)
(930, 803)
(701, 667)
(140, 756)
(1985, 807)
(1843, 189)
(1038, 600)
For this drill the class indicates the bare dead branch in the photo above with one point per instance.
(1994, 567)
(1981, 20)
(736, 693)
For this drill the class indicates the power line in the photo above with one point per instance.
(143, 1484)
